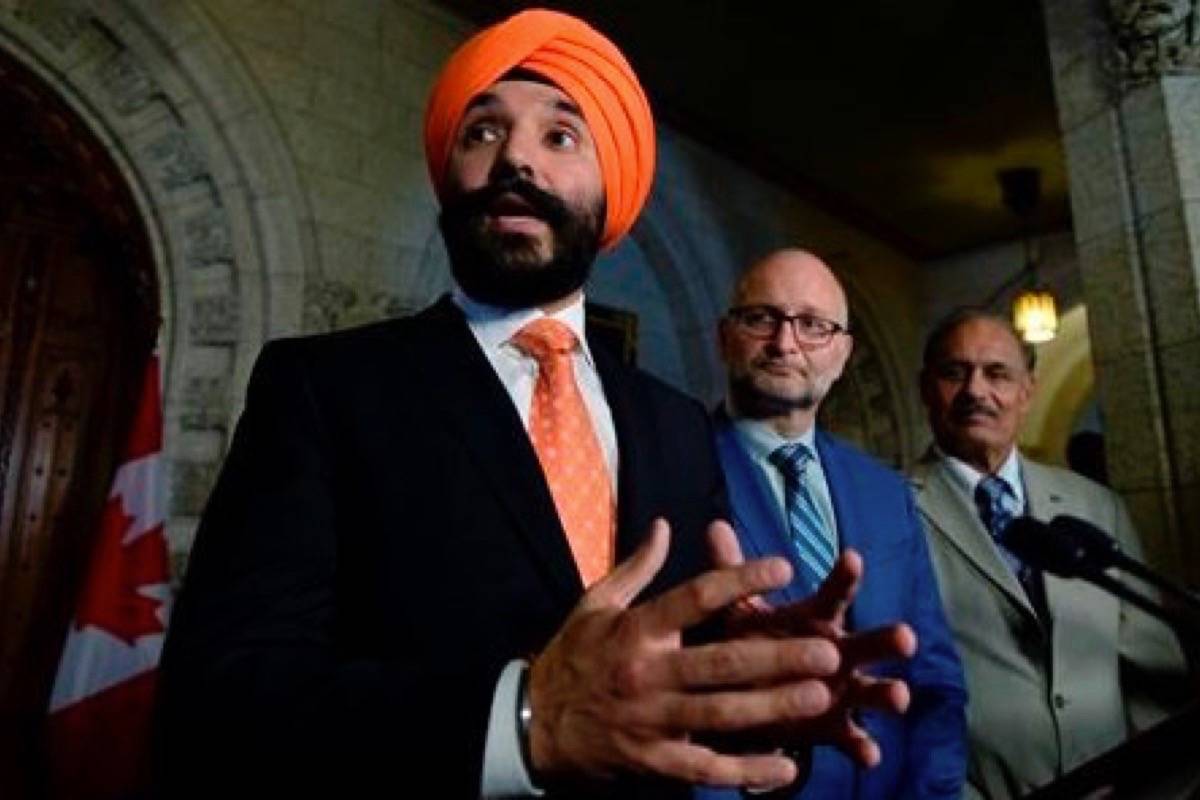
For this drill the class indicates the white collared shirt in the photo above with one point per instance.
(760, 440)
(494, 327)
(504, 771)
(966, 477)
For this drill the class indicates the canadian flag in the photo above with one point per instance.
(100, 708)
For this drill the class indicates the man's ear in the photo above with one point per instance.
(846, 349)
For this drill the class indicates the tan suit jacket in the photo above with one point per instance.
(1041, 701)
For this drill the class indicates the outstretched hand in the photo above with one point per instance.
(824, 615)
(616, 692)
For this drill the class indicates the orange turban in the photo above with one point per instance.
(583, 64)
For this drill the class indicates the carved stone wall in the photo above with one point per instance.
(1153, 38)
(1131, 140)
(151, 81)
(863, 407)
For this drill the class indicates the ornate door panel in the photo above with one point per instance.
(59, 353)
(77, 317)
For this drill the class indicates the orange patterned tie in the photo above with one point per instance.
(568, 448)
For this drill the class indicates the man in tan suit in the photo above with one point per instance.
(1057, 670)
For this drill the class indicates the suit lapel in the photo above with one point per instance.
(632, 436)
(851, 533)
(758, 518)
(953, 515)
(476, 404)
(841, 482)
(1044, 503)
(639, 472)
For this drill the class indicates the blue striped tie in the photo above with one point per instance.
(998, 507)
(811, 539)
(997, 503)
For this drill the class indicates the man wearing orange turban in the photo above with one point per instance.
(410, 510)
(588, 68)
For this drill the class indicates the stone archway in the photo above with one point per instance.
(868, 405)
(693, 308)
(217, 192)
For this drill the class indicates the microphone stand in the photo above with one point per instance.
(1074, 548)
(1156, 762)
(1158, 581)
(1183, 624)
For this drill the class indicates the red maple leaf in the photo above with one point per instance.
(110, 599)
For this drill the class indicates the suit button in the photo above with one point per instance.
(1059, 701)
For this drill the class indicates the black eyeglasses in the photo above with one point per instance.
(763, 322)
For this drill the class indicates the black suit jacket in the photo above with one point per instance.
(379, 543)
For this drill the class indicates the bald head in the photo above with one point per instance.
(798, 277)
(781, 372)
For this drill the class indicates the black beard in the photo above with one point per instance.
(753, 403)
(506, 269)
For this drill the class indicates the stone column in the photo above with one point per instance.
(1128, 91)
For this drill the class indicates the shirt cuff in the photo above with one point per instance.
(504, 771)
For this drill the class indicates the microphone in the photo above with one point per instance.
(1069, 547)
(1074, 548)
(1040, 546)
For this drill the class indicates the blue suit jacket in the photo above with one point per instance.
(924, 750)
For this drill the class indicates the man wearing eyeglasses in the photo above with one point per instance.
(455, 554)
(796, 491)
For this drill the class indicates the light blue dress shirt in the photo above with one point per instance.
(760, 440)
(967, 477)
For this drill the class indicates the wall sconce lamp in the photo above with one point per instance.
(1034, 310)
(1035, 315)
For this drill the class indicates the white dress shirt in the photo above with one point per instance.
(967, 477)
(494, 329)
(504, 771)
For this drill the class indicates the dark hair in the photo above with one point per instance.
(961, 316)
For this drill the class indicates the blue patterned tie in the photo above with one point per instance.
(997, 503)
(811, 539)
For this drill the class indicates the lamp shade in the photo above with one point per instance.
(1035, 315)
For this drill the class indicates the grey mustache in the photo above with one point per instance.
(973, 408)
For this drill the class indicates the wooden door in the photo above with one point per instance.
(76, 323)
